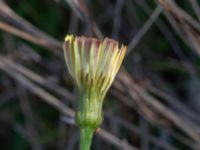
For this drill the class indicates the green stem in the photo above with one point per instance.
(86, 134)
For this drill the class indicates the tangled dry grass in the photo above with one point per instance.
(154, 101)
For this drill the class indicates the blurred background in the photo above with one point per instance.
(154, 102)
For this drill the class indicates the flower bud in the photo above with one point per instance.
(93, 65)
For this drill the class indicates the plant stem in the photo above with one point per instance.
(86, 134)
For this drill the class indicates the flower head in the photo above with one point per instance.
(92, 62)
